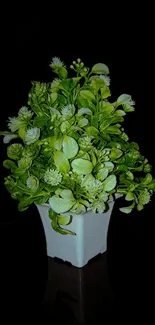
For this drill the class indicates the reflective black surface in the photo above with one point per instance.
(118, 281)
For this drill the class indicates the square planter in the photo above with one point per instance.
(91, 236)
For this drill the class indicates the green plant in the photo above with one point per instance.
(71, 150)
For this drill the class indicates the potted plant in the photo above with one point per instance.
(72, 158)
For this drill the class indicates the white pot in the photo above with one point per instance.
(91, 236)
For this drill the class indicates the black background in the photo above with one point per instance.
(30, 48)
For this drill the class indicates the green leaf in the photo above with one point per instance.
(66, 84)
(9, 164)
(40, 121)
(130, 175)
(147, 179)
(61, 100)
(70, 147)
(87, 94)
(78, 208)
(51, 214)
(24, 204)
(81, 166)
(104, 196)
(147, 168)
(82, 102)
(22, 132)
(127, 209)
(100, 68)
(120, 112)
(105, 92)
(113, 130)
(140, 207)
(115, 153)
(65, 126)
(93, 158)
(67, 194)
(60, 205)
(106, 108)
(129, 196)
(96, 83)
(109, 165)
(102, 174)
(134, 145)
(83, 122)
(41, 200)
(58, 143)
(6, 133)
(83, 111)
(151, 186)
(123, 99)
(64, 220)
(63, 72)
(87, 179)
(61, 162)
(92, 131)
(52, 97)
(110, 183)
(128, 108)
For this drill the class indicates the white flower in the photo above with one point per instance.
(106, 79)
(131, 102)
(85, 142)
(24, 113)
(68, 110)
(94, 187)
(7, 138)
(32, 182)
(56, 63)
(15, 124)
(52, 177)
(32, 135)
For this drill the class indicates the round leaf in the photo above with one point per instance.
(83, 122)
(105, 92)
(87, 94)
(9, 164)
(21, 133)
(125, 210)
(115, 153)
(102, 174)
(78, 208)
(60, 205)
(123, 99)
(53, 97)
(83, 111)
(129, 196)
(92, 131)
(64, 220)
(100, 68)
(67, 194)
(81, 166)
(63, 72)
(61, 162)
(147, 179)
(120, 112)
(70, 147)
(110, 183)
(140, 206)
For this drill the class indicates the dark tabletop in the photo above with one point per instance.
(119, 280)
